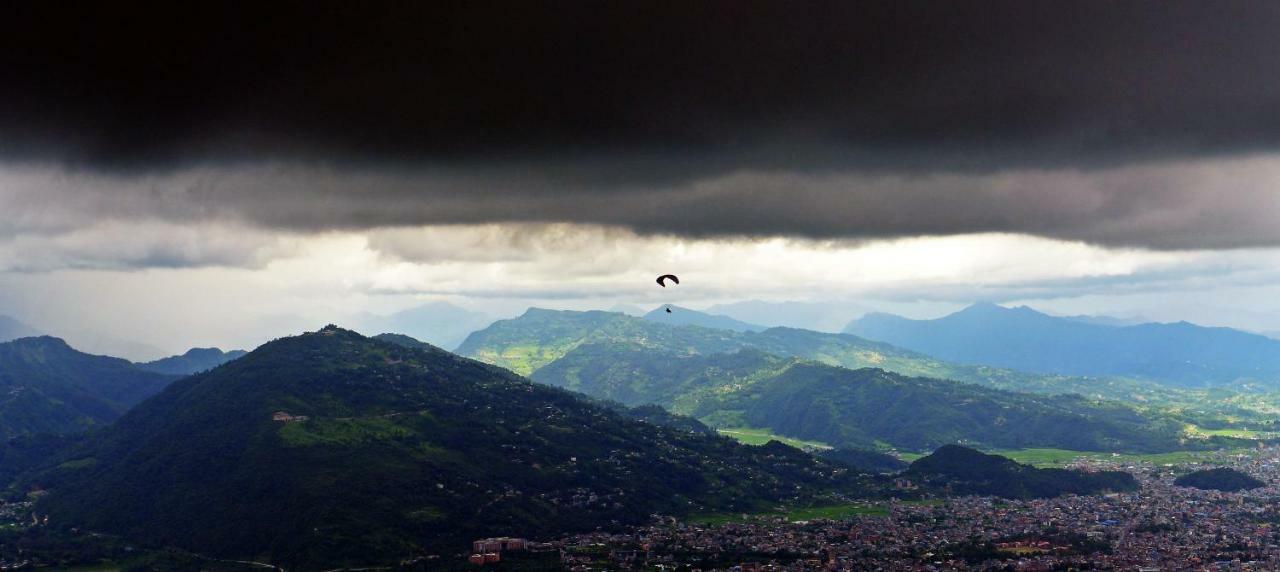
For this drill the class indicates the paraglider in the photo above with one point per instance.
(662, 282)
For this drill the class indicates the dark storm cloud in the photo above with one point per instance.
(821, 119)
(126, 84)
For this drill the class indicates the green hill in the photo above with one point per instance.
(845, 407)
(48, 387)
(401, 452)
(541, 337)
(852, 408)
(647, 413)
(1219, 479)
(635, 375)
(966, 471)
(411, 343)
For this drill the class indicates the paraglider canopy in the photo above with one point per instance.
(671, 277)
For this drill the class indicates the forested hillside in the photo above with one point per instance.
(331, 448)
(968, 472)
(852, 408)
(46, 386)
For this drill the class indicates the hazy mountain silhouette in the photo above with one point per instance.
(1180, 353)
(195, 360)
(440, 324)
(679, 316)
(819, 316)
(12, 329)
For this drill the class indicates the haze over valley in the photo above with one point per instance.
(655, 286)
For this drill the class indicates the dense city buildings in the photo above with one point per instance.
(1159, 527)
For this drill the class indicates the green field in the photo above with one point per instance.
(1063, 457)
(1237, 433)
(752, 436)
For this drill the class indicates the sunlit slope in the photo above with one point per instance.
(540, 337)
(853, 408)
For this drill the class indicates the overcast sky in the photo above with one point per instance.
(218, 178)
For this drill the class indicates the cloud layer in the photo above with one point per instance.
(1000, 80)
(233, 215)
(307, 160)
(1113, 123)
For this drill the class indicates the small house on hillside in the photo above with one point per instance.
(501, 544)
(285, 417)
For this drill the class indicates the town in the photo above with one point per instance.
(1160, 527)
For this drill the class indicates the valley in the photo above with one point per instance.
(747, 428)
(821, 286)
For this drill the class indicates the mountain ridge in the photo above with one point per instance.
(539, 337)
(194, 360)
(11, 329)
(680, 316)
(46, 386)
(817, 316)
(1179, 354)
(850, 408)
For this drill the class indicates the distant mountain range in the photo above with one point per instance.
(438, 323)
(195, 360)
(628, 309)
(12, 329)
(1106, 320)
(98, 343)
(330, 449)
(46, 386)
(1180, 354)
(88, 342)
(679, 316)
(817, 316)
(795, 382)
(540, 337)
